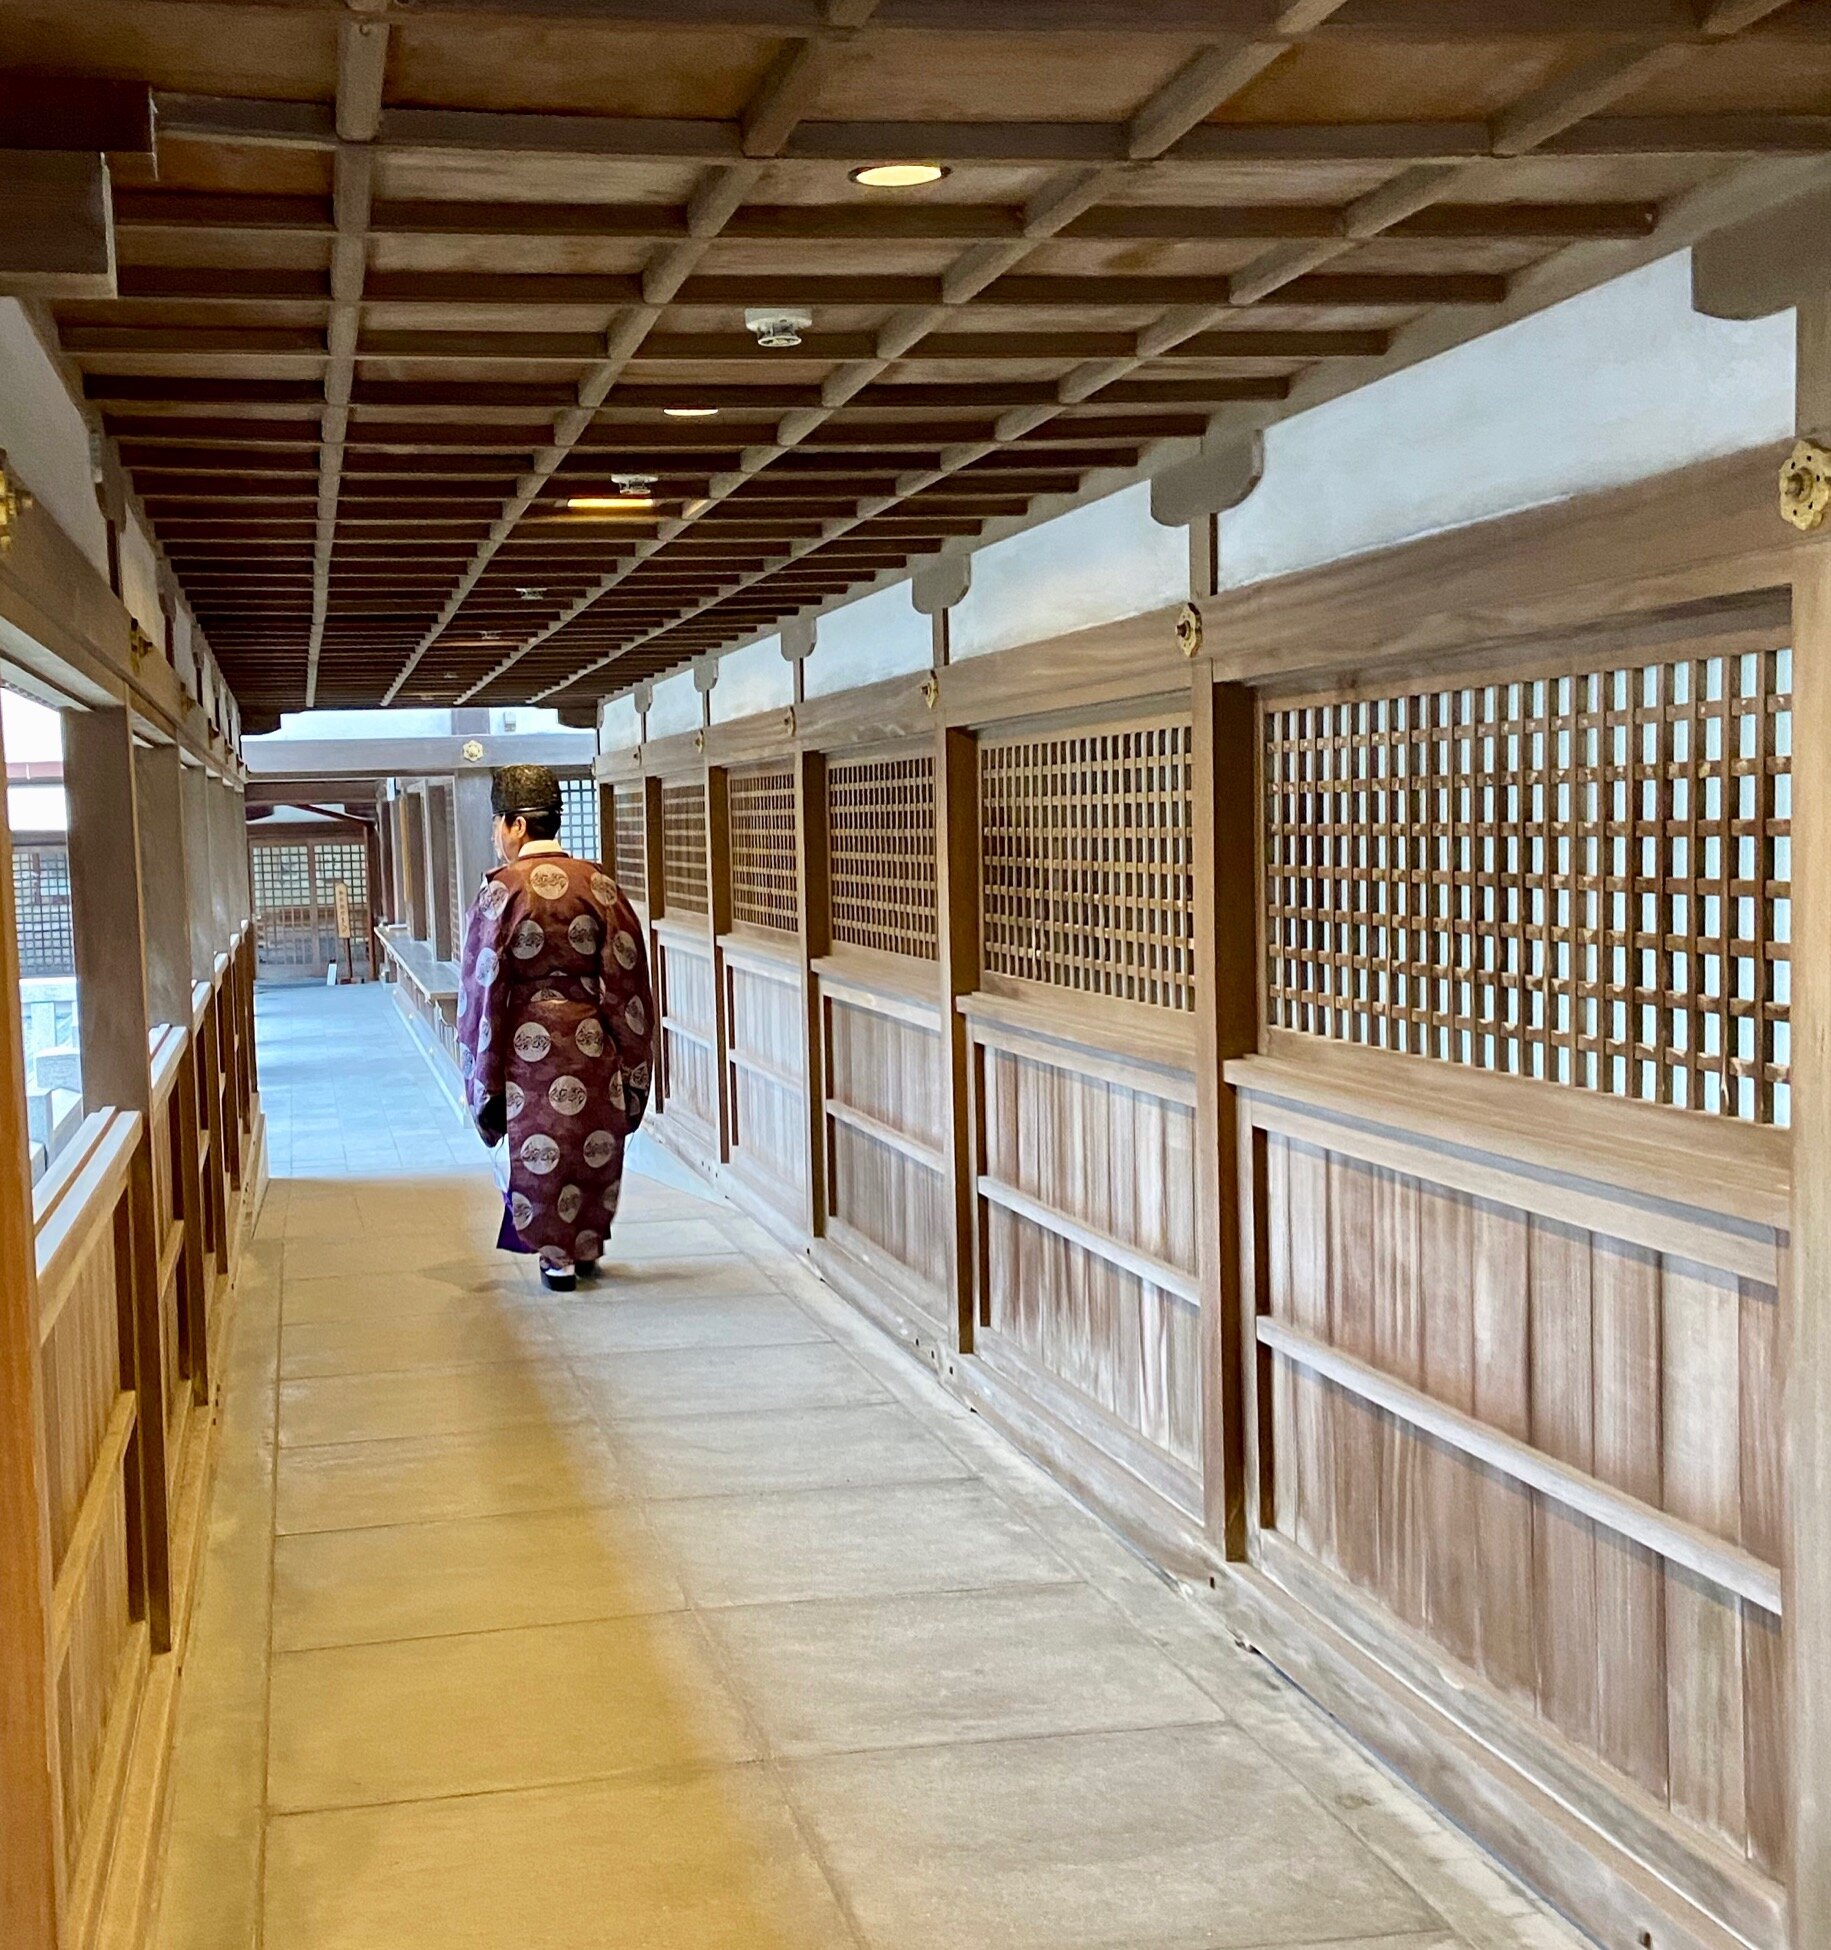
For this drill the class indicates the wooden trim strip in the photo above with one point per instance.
(702, 1038)
(888, 1136)
(200, 1003)
(769, 1072)
(90, 1517)
(170, 1255)
(169, 1042)
(777, 962)
(1141, 1265)
(86, 1205)
(66, 1168)
(1724, 1565)
(684, 937)
(1660, 1225)
(844, 979)
(1002, 1026)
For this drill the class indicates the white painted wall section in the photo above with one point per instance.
(1097, 564)
(881, 635)
(619, 724)
(752, 679)
(1612, 386)
(676, 706)
(44, 435)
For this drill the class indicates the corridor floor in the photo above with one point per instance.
(686, 1611)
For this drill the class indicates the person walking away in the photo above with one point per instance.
(555, 1027)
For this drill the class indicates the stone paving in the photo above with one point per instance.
(685, 1611)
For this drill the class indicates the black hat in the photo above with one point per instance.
(517, 790)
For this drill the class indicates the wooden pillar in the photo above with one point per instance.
(107, 925)
(475, 823)
(1225, 923)
(957, 916)
(654, 878)
(815, 941)
(165, 882)
(28, 1797)
(413, 863)
(199, 848)
(441, 873)
(718, 908)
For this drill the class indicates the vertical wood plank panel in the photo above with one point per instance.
(1446, 1275)
(1767, 1756)
(1502, 1375)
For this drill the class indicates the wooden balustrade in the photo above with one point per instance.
(115, 1359)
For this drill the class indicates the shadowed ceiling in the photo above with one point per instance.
(397, 283)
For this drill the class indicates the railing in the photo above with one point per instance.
(426, 992)
(138, 1230)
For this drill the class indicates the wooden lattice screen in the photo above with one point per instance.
(629, 836)
(881, 828)
(683, 846)
(578, 829)
(765, 888)
(1584, 878)
(41, 907)
(1087, 880)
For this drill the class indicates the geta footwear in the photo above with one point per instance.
(555, 1282)
(586, 1269)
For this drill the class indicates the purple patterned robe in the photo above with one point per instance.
(556, 1019)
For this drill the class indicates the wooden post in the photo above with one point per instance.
(1226, 1026)
(654, 878)
(28, 1797)
(718, 907)
(413, 862)
(957, 917)
(816, 940)
(441, 873)
(195, 792)
(165, 882)
(107, 925)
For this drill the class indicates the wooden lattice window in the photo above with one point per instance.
(1087, 879)
(578, 822)
(1583, 877)
(683, 847)
(41, 908)
(881, 839)
(765, 888)
(630, 836)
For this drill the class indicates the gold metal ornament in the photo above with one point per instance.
(931, 690)
(473, 751)
(699, 741)
(140, 645)
(1189, 630)
(1805, 486)
(14, 500)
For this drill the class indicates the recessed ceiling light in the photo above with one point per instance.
(898, 175)
(691, 412)
(610, 504)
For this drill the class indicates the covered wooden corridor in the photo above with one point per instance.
(685, 1612)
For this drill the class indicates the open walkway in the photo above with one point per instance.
(685, 1611)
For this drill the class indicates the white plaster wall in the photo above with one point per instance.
(753, 679)
(1095, 564)
(619, 724)
(1611, 386)
(881, 635)
(676, 706)
(44, 435)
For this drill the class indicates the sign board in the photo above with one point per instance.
(341, 891)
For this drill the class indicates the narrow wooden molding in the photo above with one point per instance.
(1726, 1565)
(888, 1136)
(1175, 1280)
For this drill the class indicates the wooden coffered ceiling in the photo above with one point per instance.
(394, 282)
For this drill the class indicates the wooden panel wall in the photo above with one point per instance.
(683, 977)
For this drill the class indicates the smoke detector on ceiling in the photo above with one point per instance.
(635, 483)
(778, 325)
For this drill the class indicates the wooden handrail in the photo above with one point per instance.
(1723, 1564)
(200, 1005)
(777, 960)
(1046, 1035)
(1129, 1259)
(692, 937)
(169, 1041)
(865, 986)
(85, 1204)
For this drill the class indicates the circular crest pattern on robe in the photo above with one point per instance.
(554, 1018)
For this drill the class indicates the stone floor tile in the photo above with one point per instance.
(710, 1863)
(426, 1401)
(468, 1331)
(1176, 1836)
(713, 1381)
(469, 1574)
(487, 1710)
(853, 1543)
(633, 1238)
(614, 1319)
(787, 1449)
(430, 1479)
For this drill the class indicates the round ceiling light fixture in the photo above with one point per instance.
(897, 175)
(691, 412)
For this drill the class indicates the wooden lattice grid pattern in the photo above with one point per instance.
(1584, 877)
(1087, 878)
(683, 846)
(578, 824)
(629, 834)
(41, 908)
(765, 884)
(881, 853)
